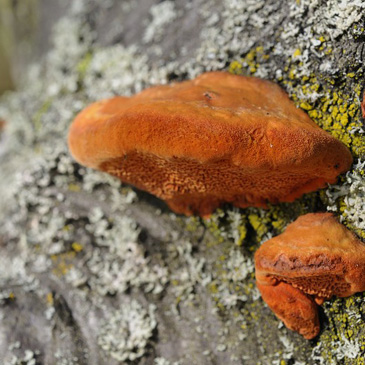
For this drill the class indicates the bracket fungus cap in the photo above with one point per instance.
(315, 258)
(217, 138)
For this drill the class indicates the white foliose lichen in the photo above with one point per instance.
(236, 268)
(162, 14)
(63, 358)
(114, 71)
(352, 190)
(29, 358)
(236, 221)
(61, 77)
(341, 349)
(190, 273)
(333, 17)
(163, 361)
(126, 334)
(118, 262)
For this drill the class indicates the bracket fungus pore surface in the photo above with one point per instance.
(314, 259)
(199, 143)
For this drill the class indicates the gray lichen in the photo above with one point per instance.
(162, 14)
(352, 194)
(126, 334)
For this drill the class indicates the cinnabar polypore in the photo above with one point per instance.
(218, 138)
(314, 259)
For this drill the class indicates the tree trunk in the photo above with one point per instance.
(96, 272)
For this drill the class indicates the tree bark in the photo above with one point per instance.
(96, 272)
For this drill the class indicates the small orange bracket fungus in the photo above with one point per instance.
(314, 259)
(217, 138)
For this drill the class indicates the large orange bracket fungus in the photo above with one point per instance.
(217, 138)
(314, 259)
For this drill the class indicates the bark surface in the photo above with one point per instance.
(95, 272)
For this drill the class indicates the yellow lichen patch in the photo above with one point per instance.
(62, 263)
(213, 288)
(260, 224)
(74, 187)
(358, 231)
(334, 110)
(67, 228)
(306, 106)
(49, 299)
(273, 220)
(77, 247)
(242, 233)
(192, 223)
(213, 224)
(343, 329)
(297, 53)
(235, 68)
(250, 62)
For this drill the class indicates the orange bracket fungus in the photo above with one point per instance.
(314, 259)
(217, 138)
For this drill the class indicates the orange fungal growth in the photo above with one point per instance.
(314, 259)
(218, 138)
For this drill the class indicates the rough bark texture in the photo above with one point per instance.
(93, 272)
